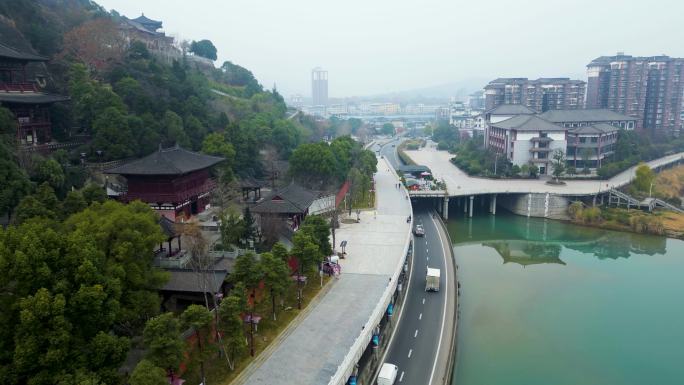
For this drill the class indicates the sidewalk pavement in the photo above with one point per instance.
(315, 347)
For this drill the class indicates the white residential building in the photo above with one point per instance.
(525, 139)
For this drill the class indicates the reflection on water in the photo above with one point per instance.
(529, 241)
(546, 302)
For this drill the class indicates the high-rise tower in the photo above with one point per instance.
(319, 86)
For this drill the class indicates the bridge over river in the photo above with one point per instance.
(531, 197)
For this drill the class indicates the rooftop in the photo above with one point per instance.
(168, 161)
(31, 98)
(583, 115)
(598, 128)
(290, 199)
(528, 123)
(11, 53)
(189, 280)
(511, 109)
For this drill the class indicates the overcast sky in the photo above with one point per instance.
(379, 46)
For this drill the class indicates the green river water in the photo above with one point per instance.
(546, 302)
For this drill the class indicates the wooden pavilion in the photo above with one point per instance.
(175, 182)
(20, 92)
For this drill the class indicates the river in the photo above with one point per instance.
(547, 302)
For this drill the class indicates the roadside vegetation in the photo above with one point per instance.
(668, 186)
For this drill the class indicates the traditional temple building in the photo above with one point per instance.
(21, 94)
(173, 181)
(147, 31)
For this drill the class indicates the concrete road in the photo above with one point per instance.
(390, 153)
(421, 343)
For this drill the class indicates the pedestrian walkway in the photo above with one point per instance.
(315, 349)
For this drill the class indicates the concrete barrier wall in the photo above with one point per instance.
(535, 205)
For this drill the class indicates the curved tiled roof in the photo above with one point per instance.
(511, 109)
(168, 161)
(31, 98)
(528, 123)
(11, 53)
(584, 115)
(288, 200)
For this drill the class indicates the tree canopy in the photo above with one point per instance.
(204, 48)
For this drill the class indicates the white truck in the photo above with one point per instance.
(432, 279)
(388, 374)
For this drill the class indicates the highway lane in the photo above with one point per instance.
(415, 345)
(390, 153)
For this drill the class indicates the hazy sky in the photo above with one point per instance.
(380, 46)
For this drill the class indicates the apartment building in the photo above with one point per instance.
(542, 94)
(646, 88)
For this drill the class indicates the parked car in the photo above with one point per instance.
(419, 231)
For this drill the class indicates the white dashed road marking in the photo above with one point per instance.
(410, 351)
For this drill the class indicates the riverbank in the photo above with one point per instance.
(665, 223)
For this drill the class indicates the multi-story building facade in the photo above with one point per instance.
(147, 31)
(589, 145)
(525, 139)
(542, 94)
(499, 114)
(647, 88)
(319, 86)
(587, 136)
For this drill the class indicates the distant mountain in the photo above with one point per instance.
(436, 93)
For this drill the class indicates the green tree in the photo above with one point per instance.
(387, 129)
(43, 337)
(216, 144)
(280, 251)
(231, 328)
(146, 373)
(175, 133)
(127, 236)
(50, 171)
(249, 225)
(199, 319)
(249, 272)
(94, 193)
(307, 253)
(558, 163)
(232, 228)
(319, 229)
(14, 183)
(313, 164)
(644, 179)
(204, 48)
(113, 134)
(162, 337)
(73, 203)
(276, 277)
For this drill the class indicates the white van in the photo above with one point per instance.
(388, 374)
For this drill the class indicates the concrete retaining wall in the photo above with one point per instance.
(536, 205)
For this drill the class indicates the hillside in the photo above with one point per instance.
(130, 94)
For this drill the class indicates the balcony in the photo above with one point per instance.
(18, 87)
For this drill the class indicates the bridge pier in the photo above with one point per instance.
(445, 208)
(492, 204)
(470, 213)
(465, 205)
